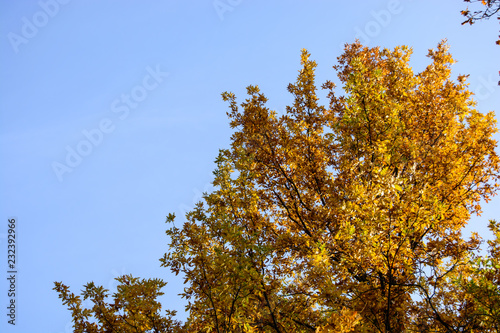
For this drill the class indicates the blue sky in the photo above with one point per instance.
(133, 88)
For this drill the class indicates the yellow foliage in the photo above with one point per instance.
(343, 217)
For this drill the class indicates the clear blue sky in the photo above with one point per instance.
(134, 86)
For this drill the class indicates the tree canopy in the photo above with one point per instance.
(339, 217)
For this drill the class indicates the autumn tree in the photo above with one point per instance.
(353, 208)
(341, 217)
